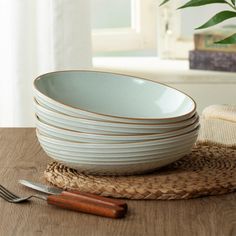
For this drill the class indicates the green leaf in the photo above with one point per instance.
(165, 1)
(233, 2)
(196, 3)
(218, 18)
(230, 40)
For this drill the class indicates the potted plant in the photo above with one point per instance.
(217, 18)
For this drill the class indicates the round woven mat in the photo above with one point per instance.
(209, 170)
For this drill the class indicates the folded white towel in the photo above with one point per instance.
(221, 112)
(218, 131)
(218, 125)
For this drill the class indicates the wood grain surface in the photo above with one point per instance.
(22, 158)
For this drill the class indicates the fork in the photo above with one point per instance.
(67, 202)
(12, 198)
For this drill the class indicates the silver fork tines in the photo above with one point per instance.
(6, 193)
(11, 197)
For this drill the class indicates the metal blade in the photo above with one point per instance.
(41, 187)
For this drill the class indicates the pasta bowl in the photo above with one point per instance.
(112, 97)
(71, 135)
(107, 127)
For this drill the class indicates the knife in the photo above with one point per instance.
(78, 196)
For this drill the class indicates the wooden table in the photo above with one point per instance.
(22, 158)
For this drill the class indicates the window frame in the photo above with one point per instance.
(171, 44)
(147, 32)
(141, 35)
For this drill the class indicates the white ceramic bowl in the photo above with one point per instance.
(149, 158)
(64, 134)
(119, 169)
(121, 166)
(117, 157)
(112, 97)
(118, 147)
(106, 127)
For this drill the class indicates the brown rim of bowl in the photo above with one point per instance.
(125, 135)
(194, 117)
(195, 114)
(116, 145)
(107, 115)
(130, 143)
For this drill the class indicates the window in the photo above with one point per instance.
(123, 25)
(142, 26)
(170, 39)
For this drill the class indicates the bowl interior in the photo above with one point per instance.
(114, 95)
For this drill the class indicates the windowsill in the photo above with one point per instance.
(168, 71)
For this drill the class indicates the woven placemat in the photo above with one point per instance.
(209, 170)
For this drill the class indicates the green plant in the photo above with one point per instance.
(217, 18)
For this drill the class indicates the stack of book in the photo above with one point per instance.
(210, 56)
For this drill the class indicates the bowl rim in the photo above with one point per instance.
(108, 115)
(125, 125)
(194, 132)
(38, 120)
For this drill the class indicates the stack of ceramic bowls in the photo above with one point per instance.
(110, 124)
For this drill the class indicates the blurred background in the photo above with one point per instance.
(135, 37)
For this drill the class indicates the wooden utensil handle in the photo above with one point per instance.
(72, 203)
(95, 198)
